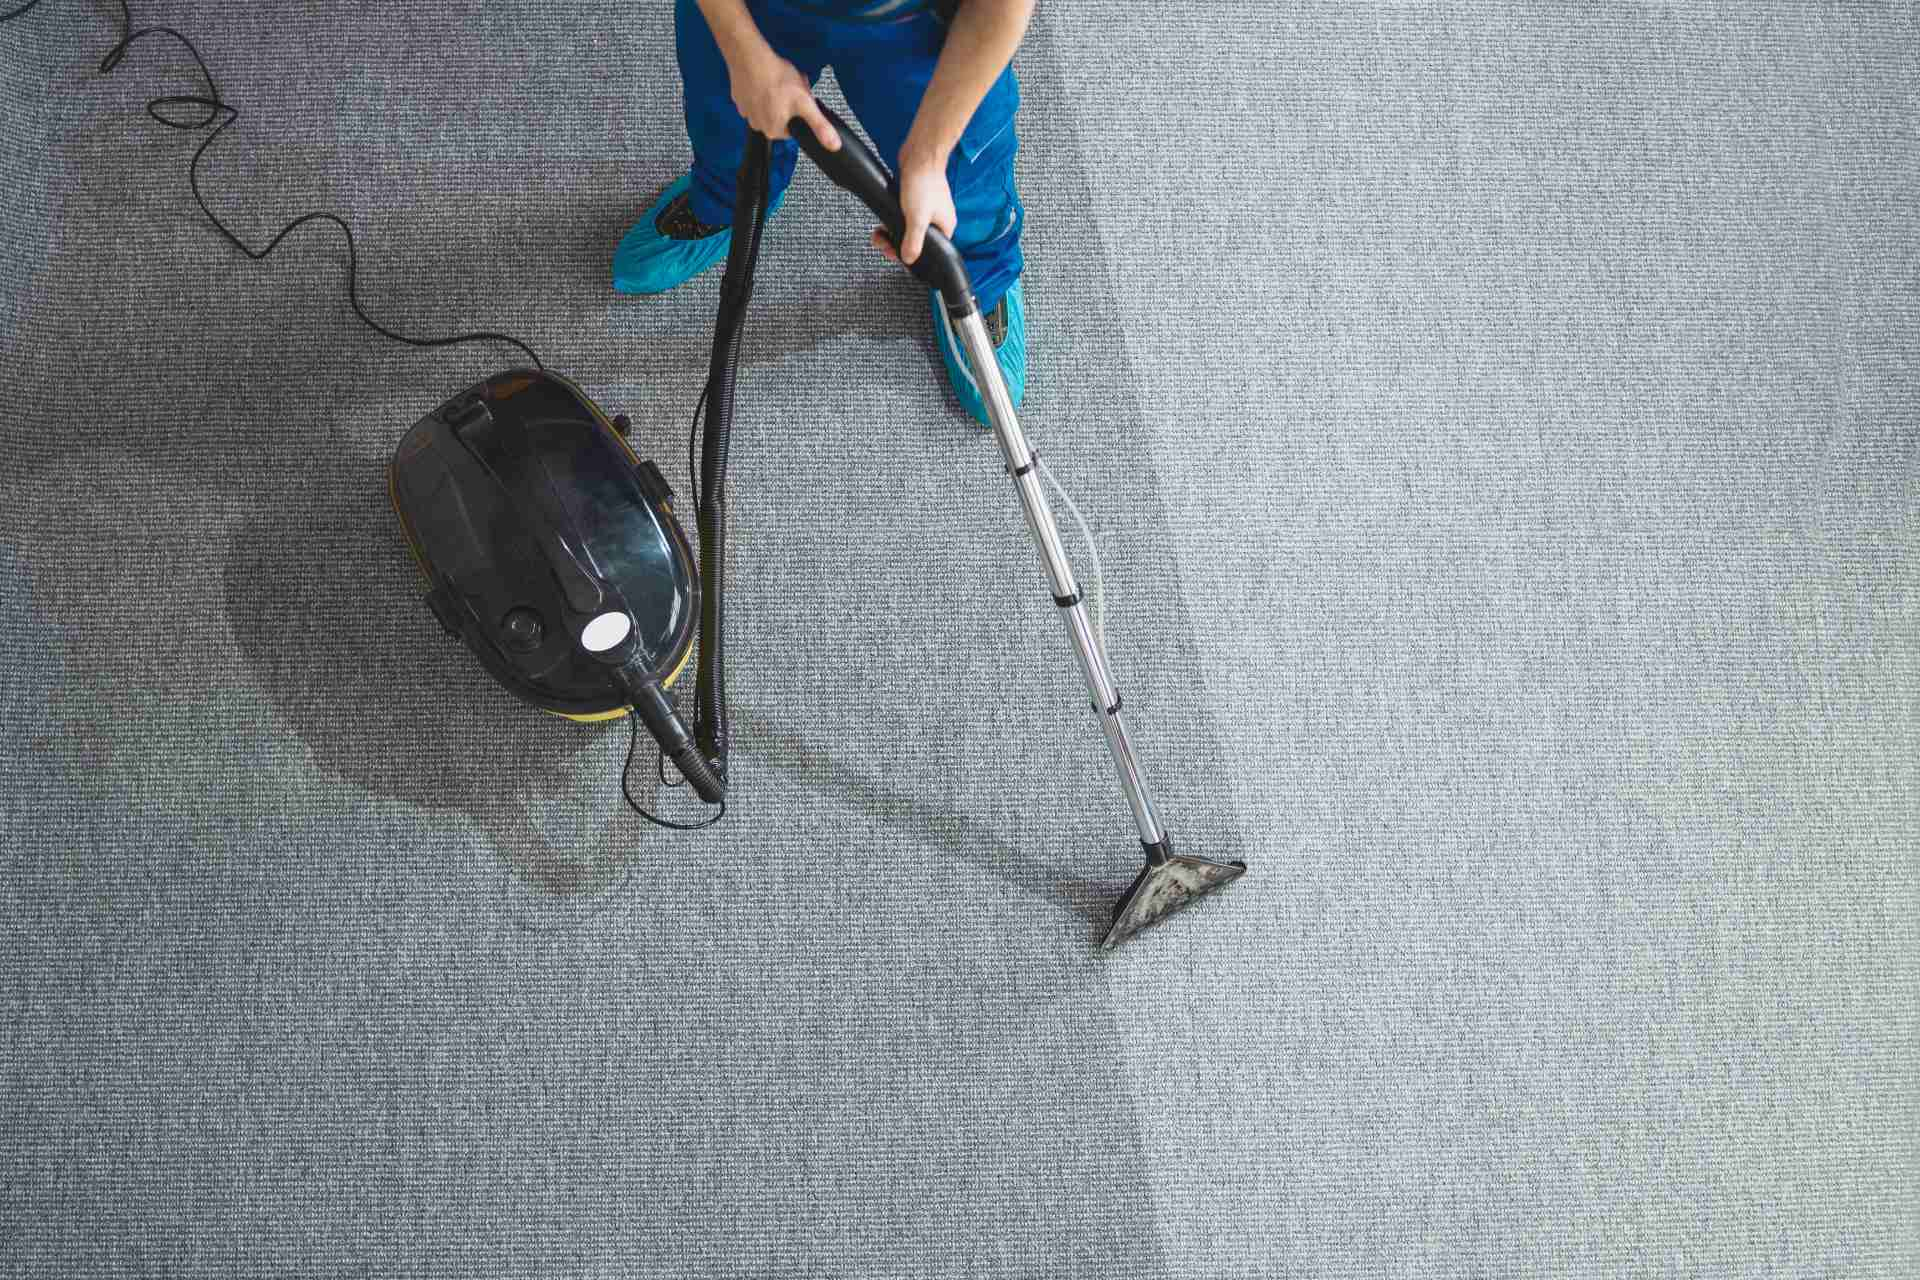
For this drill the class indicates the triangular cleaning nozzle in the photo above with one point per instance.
(1167, 883)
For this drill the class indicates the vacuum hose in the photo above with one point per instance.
(856, 168)
(711, 731)
(656, 711)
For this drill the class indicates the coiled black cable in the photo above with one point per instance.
(193, 112)
(34, 4)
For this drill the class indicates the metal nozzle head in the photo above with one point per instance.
(1167, 883)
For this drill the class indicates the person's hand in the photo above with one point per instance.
(925, 199)
(770, 91)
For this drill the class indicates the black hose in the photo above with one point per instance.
(711, 730)
(656, 711)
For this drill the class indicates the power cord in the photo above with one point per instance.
(633, 740)
(192, 112)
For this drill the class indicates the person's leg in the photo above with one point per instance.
(714, 124)
(884, 70)
(688, 229)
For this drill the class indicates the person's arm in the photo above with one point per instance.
(768, 90)
(980, 44)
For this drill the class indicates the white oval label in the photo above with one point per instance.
(605, 631)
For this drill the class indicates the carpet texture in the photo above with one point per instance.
(1501, 428)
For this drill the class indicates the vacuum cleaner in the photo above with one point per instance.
(556, 554)
(551, 549)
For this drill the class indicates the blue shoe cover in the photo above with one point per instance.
(1012, 353)
(648, 262)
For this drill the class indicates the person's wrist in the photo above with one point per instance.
(920, 151)
(747, 55)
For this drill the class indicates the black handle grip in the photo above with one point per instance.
(855, 167)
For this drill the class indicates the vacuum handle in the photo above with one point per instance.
(855, 167)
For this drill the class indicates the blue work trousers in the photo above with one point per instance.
(883, 66)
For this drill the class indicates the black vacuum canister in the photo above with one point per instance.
(525, 506)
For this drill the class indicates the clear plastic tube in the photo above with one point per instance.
(1093, 555)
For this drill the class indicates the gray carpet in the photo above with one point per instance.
(1500, 423)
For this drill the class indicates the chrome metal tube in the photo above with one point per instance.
(972, 331)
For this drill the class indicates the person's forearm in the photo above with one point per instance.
(980, 44)
(734, 30)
